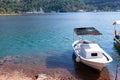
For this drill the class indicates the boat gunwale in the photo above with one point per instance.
(89, 59)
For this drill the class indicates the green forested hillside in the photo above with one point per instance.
(22, 6)
(104, 5)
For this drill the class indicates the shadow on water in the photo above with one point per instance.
(59, 61)
(117, 59)
(78, 70)
(85, 72)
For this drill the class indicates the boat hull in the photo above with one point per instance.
(117, 43)
(96, 63)
(97, 66)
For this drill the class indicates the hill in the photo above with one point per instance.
(23, 6)
(104, 5)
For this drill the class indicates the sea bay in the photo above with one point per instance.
(45, 40)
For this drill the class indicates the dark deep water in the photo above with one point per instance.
(46, 40)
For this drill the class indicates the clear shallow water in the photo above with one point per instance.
(46, 39)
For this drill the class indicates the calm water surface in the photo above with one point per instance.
(46, 40)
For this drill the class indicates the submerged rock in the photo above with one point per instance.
(1, 62)
(7, 58)
(43, 77)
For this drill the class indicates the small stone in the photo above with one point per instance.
(1, 62)
(8, 58)
(43, 77)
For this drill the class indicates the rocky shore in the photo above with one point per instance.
(12, 71)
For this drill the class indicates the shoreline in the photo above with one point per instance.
(15, 14)
(27, 72)
(32, 72)
(9, 14)
(22, 71)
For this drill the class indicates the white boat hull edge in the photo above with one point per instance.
(94, 64)
(98, 66)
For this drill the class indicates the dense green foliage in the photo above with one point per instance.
(105, 5)
(22, 6)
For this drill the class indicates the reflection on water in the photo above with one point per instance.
(84, 72)
(117, 47)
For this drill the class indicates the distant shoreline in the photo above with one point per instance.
(15, 14)
(18, 14)
(9, 14)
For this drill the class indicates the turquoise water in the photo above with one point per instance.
(46, 39)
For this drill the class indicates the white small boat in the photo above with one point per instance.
(90, 53)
